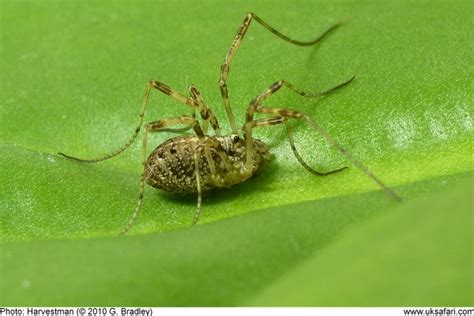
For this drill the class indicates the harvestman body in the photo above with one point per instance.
(200, 162)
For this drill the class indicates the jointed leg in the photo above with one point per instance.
(256, 102)
(198, 186)
(247, 129)
(274, 120)
(286, 113)
(131, 140)
(196, 102)
(157, 127)
(206, 113)
(151, 84)
(235, 45)
(300, 159)
(177, 96)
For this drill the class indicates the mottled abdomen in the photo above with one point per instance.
(171, 166)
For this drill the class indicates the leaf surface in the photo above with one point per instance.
(73, 78)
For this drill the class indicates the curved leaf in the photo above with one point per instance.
(72, 81)
(230, 261)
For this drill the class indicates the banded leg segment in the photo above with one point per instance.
(234, 47)
(151, 84)
(256, 102)
(198, 186)
(287, 113)
(206, 113)
(130, 141)
(300, 159)
(157, 126)
(247, 130)
(194, 102)
(274, 120)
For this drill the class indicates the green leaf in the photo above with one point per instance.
(419, 254)
(72, 81)
(229, 262)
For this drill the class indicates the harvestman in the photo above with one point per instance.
(195, 163)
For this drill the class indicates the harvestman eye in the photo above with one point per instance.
(200, 162)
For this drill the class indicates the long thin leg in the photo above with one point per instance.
(300, 159)
(247, 129)
(198, 186)
(157, 126)
(274, 120)
(234, 47)
(257, 102)
(206, 113)
(130, 141)
(177, 96)
(280, 83)
(196, 101)
(287, 113)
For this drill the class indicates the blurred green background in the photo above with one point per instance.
(73, 76)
